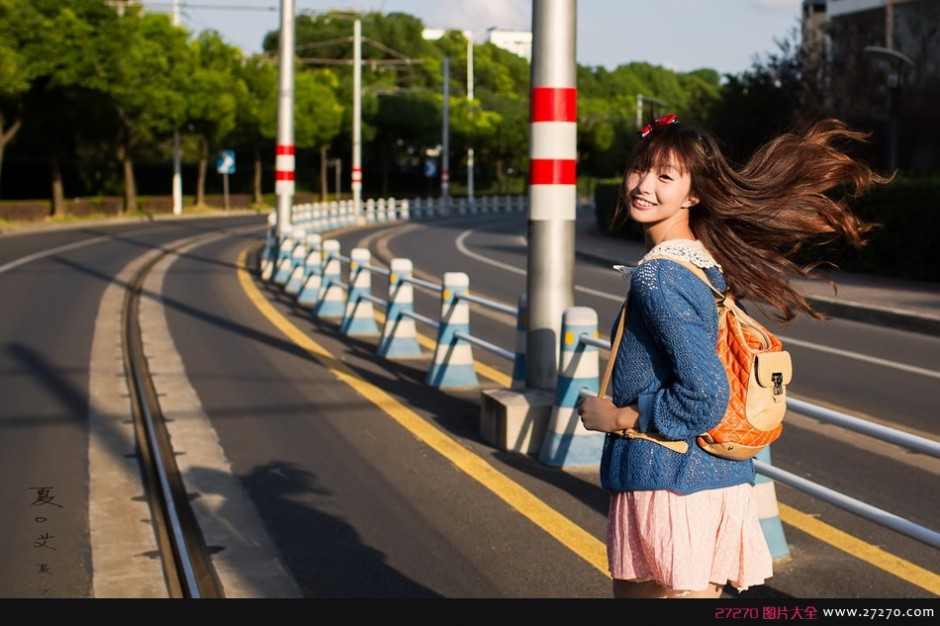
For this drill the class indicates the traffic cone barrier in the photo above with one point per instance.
(359, 315)
(331, 300)
(299, 272)
(453, 357)
(399, 335)
(313, 272)
(567, 442)
(768, 512)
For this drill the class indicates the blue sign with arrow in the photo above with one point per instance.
(226, 162)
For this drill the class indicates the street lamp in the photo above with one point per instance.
(470, 36)
(894, 60)
(177, 186)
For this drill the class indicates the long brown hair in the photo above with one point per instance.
(791, 194)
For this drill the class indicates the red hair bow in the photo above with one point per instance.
(665, 120)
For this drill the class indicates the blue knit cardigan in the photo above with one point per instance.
(667, 365)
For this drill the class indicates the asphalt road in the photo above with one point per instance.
(352, 477)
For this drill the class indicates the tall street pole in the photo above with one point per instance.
(177, 150)
(356, 170)
(470, 104)
(445, 134)
(552, 184)
(284, 152)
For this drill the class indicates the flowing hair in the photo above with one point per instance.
(792, 194)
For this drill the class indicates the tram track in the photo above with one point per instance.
(186, 559)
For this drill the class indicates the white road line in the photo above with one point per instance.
(509, 268)
(788, 340)
(39, 255)
(860, 357)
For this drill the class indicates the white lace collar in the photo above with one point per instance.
(683, 250)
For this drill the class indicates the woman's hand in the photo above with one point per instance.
(603, 415)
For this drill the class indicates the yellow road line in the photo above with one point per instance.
(570, 535)
(555, 524)
(872, 555)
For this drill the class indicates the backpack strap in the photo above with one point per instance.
(676, 445)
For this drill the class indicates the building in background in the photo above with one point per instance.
(877, 62)
(516, 41)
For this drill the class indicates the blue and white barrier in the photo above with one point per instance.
(453, 357)
(284, 263)
(359, 315)
(298, 258)
(399, 334)
(567, 442)
(331, 299)
(269, 251)
(313, 272)
(522, 329)
(768, 511)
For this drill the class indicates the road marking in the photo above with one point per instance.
(462, 246)
(69, 246)
(39, 255)
(859, 549)
(573, 537)
(861, 357)
(511, 268)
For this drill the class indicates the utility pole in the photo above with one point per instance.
(470, 112)
(284, 152)
(356, 170)
(552, 185)
(177, 157)
(445, 135)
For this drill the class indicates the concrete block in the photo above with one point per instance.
(515, 420)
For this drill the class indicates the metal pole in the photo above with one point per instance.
(470, 111)
(177, 158)
(337, 167)
(552, 184)
(445, 134)
(357, 120)
(639, 111)
(284, 153)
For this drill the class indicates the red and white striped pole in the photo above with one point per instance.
(552, 184)
(284, 152)
(445, 135)
(356, 170)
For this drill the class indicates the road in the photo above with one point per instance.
(366, 483)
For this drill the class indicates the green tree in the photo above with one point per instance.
(406, 124)
(760, 103)
(20, 25)
(317, 115)
(212, 93)
(54, 47)
(256, 128)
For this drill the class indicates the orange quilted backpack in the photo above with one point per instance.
(759, 370)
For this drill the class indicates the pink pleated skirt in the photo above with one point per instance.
(685, 542)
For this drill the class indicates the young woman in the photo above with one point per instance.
(686, 524)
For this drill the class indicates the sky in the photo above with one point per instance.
(681, 35)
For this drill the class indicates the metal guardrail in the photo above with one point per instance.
(871, 513)
(830, 416)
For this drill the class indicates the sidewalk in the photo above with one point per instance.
(906, 305)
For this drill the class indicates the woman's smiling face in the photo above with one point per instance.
(659, 195)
